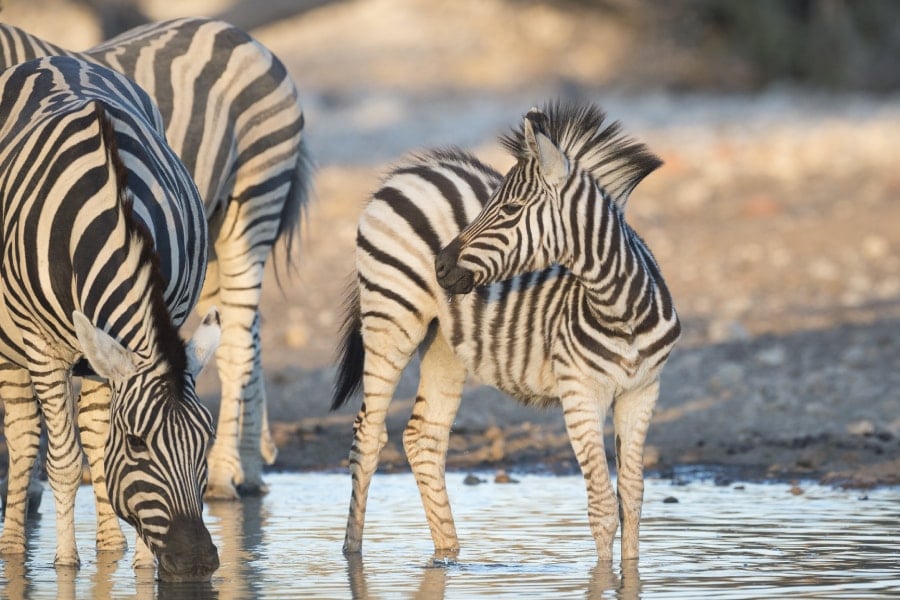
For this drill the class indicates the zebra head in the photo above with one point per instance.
(155, 459)
(520, 227)
(572, 170)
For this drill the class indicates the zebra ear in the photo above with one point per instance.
(108, 357)
(553, 162)
(204, 342)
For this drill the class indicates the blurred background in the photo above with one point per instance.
(775, 217)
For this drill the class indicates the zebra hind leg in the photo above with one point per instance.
(631, 414)
(384, 363)
(93, 426)
(22, 427)
(584, 415)
(427, 437)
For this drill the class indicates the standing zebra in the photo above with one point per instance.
(567, 307)
(104, 247)
(232, 115)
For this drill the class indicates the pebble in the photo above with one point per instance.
(863, 427)
(503, 477)
(473, 480)
(670, 500)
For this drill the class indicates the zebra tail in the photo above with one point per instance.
(351, 351)
(297, 202)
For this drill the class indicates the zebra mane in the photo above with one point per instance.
(617, 162)
(168, 341)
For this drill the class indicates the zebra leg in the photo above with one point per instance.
(267, 447)
(93, 425)
(143, 556)
(584, 416)
(632, 411)
(384, 363)
(253, 415)
(428, 434)
(22, 426)
(235, 459)
(53, 387)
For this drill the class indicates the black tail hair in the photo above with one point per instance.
(351, 351)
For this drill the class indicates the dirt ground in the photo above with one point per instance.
(775, 220)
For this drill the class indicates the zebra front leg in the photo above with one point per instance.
(93, 425)
(53, 388)
(584, 416)
(428, 434)
(22, 426)
(632, 412)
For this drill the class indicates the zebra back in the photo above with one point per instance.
(248, 142)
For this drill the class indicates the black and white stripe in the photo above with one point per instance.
(533, 283)
(232, 115)
(104, 247)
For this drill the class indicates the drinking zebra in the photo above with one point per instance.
(232, 115)
(104, 247)
(535, 284)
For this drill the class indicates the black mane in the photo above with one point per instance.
(617, 162)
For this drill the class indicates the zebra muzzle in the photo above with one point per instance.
(450, 275)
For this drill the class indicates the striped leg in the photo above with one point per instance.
(631, 413)
(384, 364)
(93, 425)
(428, 434)
(53, 388)
(584, 416)
(22, 424)
(235, 459)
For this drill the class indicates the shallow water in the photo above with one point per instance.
(529, 539)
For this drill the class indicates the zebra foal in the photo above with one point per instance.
(232, 115)
(104, 247)
(532, 282)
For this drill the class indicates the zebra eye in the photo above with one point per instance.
(135, 443)
(511, 208)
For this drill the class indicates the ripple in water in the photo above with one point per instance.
(525, 540)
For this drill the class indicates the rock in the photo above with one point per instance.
(670, 500)
(503, 477)
(472, 480)
(863, 427)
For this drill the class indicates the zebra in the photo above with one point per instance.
(104, 247)
(233, 116)
(532, 282)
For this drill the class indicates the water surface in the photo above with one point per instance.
(524, 540)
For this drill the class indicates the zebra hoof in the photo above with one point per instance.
(12, 547)
(249, 490)
(221, 493)
(67, 561)
(113, 545)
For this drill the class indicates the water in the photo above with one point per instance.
(525, 540)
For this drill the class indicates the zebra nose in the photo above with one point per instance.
(450, 275)
(189, 553)
(445, 261)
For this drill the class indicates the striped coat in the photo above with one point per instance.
(532, 282)
(232, 115)
(104, 247)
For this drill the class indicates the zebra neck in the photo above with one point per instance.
(609, 260)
